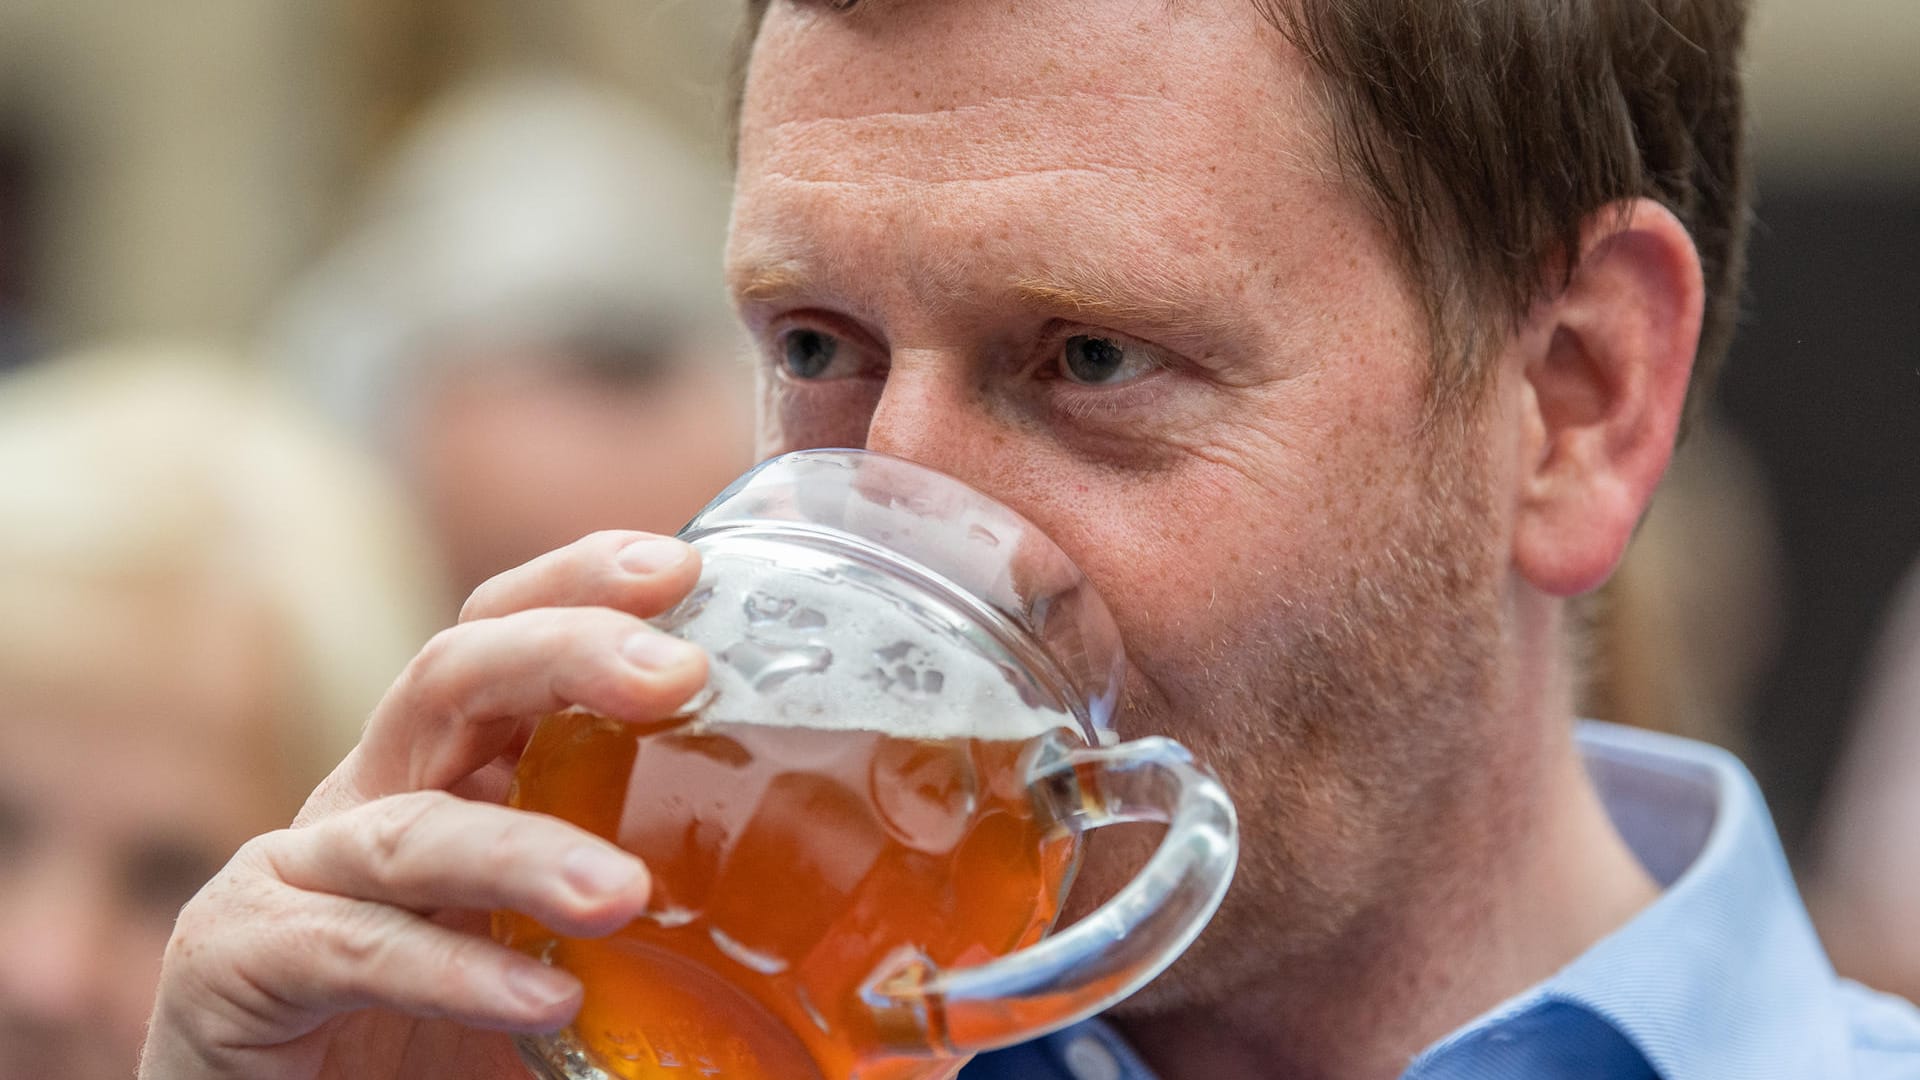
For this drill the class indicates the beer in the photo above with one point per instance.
(789, 863)
(861, 829)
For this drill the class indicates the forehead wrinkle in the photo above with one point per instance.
(880, 180)
(1107, 135)
(986, 104)
(984, 148)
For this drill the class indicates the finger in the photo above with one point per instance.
(428, 851)
(491, 782)
(640, 573)
(467, 696)
(298, 959)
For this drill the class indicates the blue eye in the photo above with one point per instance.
(807, 354)
(1100, 361)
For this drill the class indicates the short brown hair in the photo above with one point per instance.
(1487, 134)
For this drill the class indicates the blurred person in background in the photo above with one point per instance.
(201, 595)
(1866, 888)
(529, 319)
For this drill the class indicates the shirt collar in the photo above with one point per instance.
(1719, 978)
(1722, 976)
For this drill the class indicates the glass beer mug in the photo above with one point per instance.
(861, 831)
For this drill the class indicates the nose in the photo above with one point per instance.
(930, 414)
(53, 944)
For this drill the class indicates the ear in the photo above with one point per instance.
(1605, 366)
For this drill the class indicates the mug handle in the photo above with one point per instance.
(1109, 954)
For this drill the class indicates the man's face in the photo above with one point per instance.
(1095, 260)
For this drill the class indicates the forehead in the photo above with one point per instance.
(1185, 69)
(1197, 109)
(970, 50)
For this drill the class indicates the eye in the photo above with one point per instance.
(16, 830)
(806, 353)
(163, 874)
(1103, 361)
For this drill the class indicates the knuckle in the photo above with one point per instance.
(256, 851)
(353, 944)
(505, 851)
(253, 870)
(384, 960)
(553, 631)
(426, 683)
(608, 688)
(393, 832)
(220, 932)
(357, 938)
(581, 643)
(459, 960)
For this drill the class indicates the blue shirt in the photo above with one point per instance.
(1721, 978)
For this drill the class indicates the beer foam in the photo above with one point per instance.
(801, 645)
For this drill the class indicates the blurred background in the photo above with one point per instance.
(479, 239)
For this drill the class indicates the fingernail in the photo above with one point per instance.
(653, 650)
(652, 555)
(596, 871)
(540, 987)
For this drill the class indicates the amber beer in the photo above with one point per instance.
(790, 862)
(859, 830)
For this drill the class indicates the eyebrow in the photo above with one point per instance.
(1172, 305)
(768, 281)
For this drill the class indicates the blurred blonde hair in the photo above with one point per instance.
(140, 475)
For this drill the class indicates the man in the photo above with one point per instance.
(1343, 346)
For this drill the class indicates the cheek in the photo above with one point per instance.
(1216, 557)
(1171, 552)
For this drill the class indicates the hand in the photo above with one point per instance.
(353, 944)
